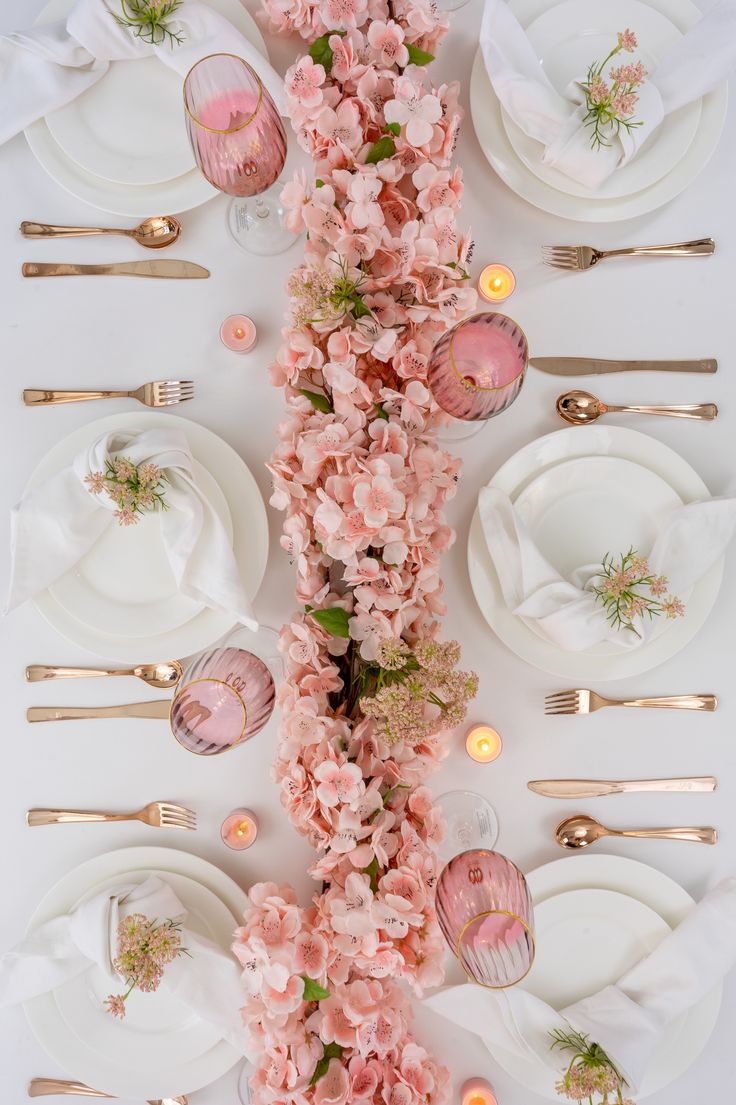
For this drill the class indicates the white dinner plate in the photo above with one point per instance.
(125, 581)
(567, 38)
(250, 541)
(73, 1054)
(180, 193)
(486, 114)
(595, 663)
(656, 890)
(158, 1028)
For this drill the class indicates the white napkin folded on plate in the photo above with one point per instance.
(699, 61)
(628, 1018)
(207, 980)
(565, 611)
(57, 523)
(48, 66)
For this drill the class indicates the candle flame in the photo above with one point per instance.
(239, 332)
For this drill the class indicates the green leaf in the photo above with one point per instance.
(308, 609)
(321, 52)
(313, 991)
(331, 1051)
(384, 147)
(395, 128)
(372, 871)
(380, 412)
(359, 308)
(335, 620)
(416, 56)
(319, 402)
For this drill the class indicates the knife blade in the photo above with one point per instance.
(165, 267)
(592, 366)
(158, 708)
(594, 788)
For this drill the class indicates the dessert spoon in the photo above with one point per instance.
(580, 407)
(581, 831)
(155, 675)
(154, 233)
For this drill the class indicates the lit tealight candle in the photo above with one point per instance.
(238, 332)
(496, 283)
(476, 1091)
(483, 744)
(239, 829)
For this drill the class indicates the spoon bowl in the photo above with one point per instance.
(164, 676)
(156, 232)
(579, 407)
(579, 832)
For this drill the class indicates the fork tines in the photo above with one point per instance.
(567, 702)
(169, 392)
(176, 817)
(563, 257)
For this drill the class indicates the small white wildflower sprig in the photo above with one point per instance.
(133, 488)
(147, 20)
(629, 589)
(416, 692)
(590, 1072)
(145, 948)
(611, 106)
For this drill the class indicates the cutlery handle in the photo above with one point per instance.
(38, 673)
(47, 230)
(704, 364)
(156, 709)
(699, 785)
(63, 817)
(39, 268)
(676, 702)
(40, 1087)
(37, 397)
(702, 247)
(701, 411)
(698, 835)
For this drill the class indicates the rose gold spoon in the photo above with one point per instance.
(164, 676)
(581, 831)
(154, 233)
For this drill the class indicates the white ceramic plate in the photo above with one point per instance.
(668, 899)
(486, 113)
(125, 582)
(74, 1055)
(593, 664)
(157, 1028)
(180, 193)
(250, 541)
(567, 39)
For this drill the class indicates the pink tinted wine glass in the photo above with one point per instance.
(486, 915)
(476, 369)
(239, 144)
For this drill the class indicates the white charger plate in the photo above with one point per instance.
(74, 1055)
(125, 580)
(158, 1028)
(250, 541)
(592, 664)
(672, 903)
(180, 193)
(487, 119)
(567, 39)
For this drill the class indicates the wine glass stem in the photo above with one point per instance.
(262, 210)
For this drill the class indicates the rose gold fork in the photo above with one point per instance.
(159, 815)
(159, 393)
(586, 702)
(584, 257)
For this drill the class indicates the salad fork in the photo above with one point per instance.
(586, 702)
(159, 393)
(585, 257)
(159, 815)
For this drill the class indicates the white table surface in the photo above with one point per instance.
(106, 333)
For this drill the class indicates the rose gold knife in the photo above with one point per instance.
(593, 788)
(167, 267)
(158, 708)
(590, 366)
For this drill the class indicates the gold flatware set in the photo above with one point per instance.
(62, 1087)
(580, 258)
(159, 393)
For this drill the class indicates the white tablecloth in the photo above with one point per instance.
(58, 333)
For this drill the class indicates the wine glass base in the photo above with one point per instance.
(457, 430)
(256, 223)
(470, 822)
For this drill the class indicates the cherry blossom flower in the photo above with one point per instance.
(387, 39)
(413, 111)
(338, 783)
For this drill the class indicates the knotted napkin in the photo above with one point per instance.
(57, 523)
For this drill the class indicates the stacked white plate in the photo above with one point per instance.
(122, 145)
(567, 36)
(161, 1048)
(582, 496)
(121, 601)
(604, 914)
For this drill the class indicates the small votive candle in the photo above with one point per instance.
(238, 332)
(239, 829)
(476, 1091)
(483, 744)
(496, 283)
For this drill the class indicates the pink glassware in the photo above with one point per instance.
(476, 369)
(226, 696)
(486, 915)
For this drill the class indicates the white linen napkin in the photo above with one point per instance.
(207, 980)
(628, 1018)
(48, 66)
(57, 523)
(565, 611)
(699, 61)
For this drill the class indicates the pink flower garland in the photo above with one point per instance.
(363, 482)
